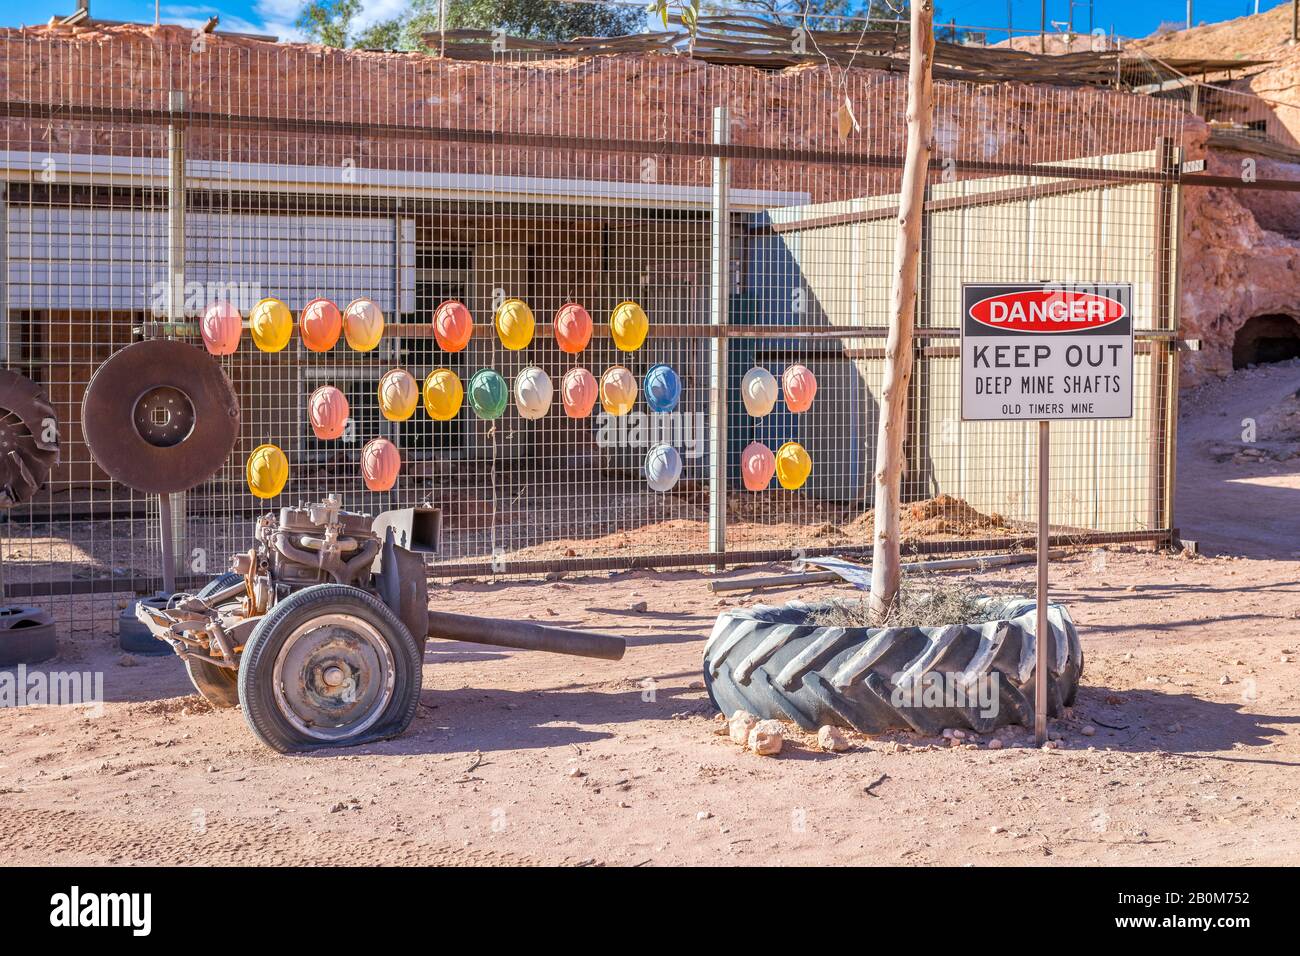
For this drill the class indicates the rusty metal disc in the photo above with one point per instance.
(29, 439)
(160, 416)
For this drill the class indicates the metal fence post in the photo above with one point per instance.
(171, 508)
(720, 299)
(1161, 294)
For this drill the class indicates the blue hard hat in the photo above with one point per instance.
(662, 388)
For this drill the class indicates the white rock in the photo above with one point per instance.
(703, 815)
(832, 739)
(1088, 730)
(742, 722)
(766, 738)
(997, 829)
(995, 744)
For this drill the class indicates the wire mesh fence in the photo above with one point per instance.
(739, 210)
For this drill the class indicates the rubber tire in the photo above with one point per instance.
(35, 639)
(772, 662)
(133, 637)
(258, 661)
(219, 686)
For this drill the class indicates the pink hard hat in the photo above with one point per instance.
(757, 466)
(327, 410)
(578, 390)
(222, 326)
(380, 463)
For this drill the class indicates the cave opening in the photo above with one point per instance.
(1265, 339)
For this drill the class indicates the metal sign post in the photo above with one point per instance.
(1040, 626)
(1034, 351)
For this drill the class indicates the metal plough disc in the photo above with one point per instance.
(29, 439)
(160, 416)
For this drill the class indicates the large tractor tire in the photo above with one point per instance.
(329, 666)
(219, 686)
(775, 663)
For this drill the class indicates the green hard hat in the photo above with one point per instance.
(488, 394)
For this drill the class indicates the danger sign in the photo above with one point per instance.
(1042, 351)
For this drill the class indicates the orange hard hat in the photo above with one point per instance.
(452, 326)
(572, 328)
(320, 324)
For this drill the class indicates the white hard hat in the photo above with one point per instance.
(533, 391)
(663, 466)
(758, 390)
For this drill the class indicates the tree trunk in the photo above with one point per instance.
(885, 565)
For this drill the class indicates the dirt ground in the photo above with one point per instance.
(1192, 684)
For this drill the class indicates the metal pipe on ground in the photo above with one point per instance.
(829, 577)
(524, 635)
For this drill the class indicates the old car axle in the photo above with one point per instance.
(318, 631)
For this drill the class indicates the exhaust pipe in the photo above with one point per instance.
(524, 635)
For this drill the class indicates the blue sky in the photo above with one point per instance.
(276, 16)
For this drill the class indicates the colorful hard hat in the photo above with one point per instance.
(363, 325)
(663, 466)
(533, 392)
(578, 390)
(452, 326)
(757, 466)
(793, 466)
(799, 387)
(327, 410)
(662, 388)
(617, 390)
(443, 394)
(398, 395)
(629, 325)
(514, 322)
(572, 328)
(221, 327)
(320, 324)
(380, 463)
(271, 323)
(267, 471)
(488, 394)
(758, 392)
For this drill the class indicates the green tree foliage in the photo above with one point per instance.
(333, 22)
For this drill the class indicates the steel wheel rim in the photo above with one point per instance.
(334, 677)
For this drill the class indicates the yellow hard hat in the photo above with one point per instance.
(793, 466)
(363, 325)
(629, 325)
(267, 471)
(398, 395)
(514, 322)
(617, 390)
(443, 394)
(271, 323)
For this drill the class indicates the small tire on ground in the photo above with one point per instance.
(776, 663)
(27, 635)
(134, 637)
(350, 619)
(219, 686)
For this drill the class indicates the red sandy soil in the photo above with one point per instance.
(1192, 683)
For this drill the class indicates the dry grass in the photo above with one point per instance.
(925, 600)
